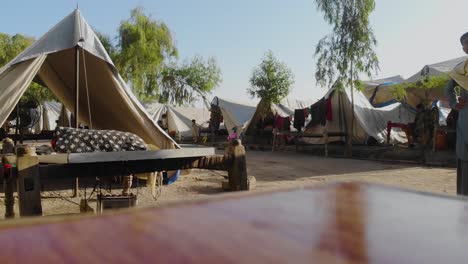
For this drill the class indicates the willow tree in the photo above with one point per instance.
(348, 51)
(144, 45)
(187, 82)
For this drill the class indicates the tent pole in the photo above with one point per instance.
(77, 85)
(77, 97)
(17, 123)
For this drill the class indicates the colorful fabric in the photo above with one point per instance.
(73, 140)
(279, 122)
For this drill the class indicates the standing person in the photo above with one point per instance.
(233, 134)
(164, 124)
(457, 93)
(195, 131)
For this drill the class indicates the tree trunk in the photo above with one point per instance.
(350, 130)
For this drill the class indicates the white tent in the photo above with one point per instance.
(369, 121)
(104, 98)
(52, 112)
(235, 114)
(179, 118)
(288, 105)
(436, 69)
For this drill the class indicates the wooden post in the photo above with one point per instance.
(17, 122)
(127, 184)
(237, 172)
(77, 101)
(77, 85)
(76, 188)
(9, 185)
(29, 187)
(326, 139)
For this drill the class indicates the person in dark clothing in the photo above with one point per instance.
(457, 93)
(299, 119)
(318, 111)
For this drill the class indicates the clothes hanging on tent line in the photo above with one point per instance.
(283, 123)
(299, 118)
(318, 112)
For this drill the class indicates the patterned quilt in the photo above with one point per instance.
(73, 140)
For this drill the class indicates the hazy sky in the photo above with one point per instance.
(411, 33)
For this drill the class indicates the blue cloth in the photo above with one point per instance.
(171, 180)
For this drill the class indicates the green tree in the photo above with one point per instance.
(348, 52)
(185, 83)
(144, 45)
(11, 46)
(429, 84)
(271, 80)
(108, 45)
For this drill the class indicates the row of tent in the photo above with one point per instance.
(369, 121)
(107, 102)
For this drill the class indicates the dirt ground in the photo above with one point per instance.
(272, 171)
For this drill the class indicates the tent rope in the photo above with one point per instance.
(87, 90)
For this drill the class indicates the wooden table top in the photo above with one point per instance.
(343, 223)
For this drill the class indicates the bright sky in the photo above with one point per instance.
(411, 33)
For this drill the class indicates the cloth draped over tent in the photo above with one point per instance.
(235, 114)
(52, 59)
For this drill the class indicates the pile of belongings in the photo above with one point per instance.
(74, 140)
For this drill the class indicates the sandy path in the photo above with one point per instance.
(280, 170)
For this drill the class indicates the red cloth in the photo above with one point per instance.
(306, 112)
(279, 122)
(329, 109)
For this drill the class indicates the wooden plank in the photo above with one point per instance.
(345, 223)
(102, 169)
(53, 159)
(99, 157)
(29, 187)
(9, 184)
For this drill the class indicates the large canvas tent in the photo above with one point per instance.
(369, 121)
(436, 69)
(179, 118)
(105, 101)
(235, 114)
(379, 92)
(382, 95)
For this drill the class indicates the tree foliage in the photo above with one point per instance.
(144, 44)
(106, 41)
(346, 53)
(271, 80)
(183, 84)
(428, 84)
(10, 47)
(147, 57)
